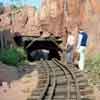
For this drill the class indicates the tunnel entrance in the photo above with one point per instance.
(42, 49)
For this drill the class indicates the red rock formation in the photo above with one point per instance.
(54, 15)
(90, 22)
(25, 20)
(5, 19)
(83, 12)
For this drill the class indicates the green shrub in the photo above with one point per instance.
(93, 68)
(13, 56)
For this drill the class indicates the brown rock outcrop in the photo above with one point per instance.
(54, 15)
(83, 12)
(24, 20)
(5, 18)
(90, 16)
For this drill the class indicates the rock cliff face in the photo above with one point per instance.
(5, 18)
(83, 12)
(53, 16)
(24, 20)
(90, 16)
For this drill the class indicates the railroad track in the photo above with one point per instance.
(60, 82)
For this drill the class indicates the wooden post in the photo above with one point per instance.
(8, 39)
(1, 40)
(5, 39)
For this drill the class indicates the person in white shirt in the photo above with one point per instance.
(81, 48)
(70, 47)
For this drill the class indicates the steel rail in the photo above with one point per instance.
(59, 82)
(47, 84)
(54, 81)
(75, 79)
(68, 80)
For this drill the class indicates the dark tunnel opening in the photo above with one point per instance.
(44, 49)
(39, 49)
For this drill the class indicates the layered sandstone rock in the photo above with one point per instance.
(90, 16)
(24, 20)
(5, 18)
(53, 16)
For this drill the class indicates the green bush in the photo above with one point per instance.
(93, 68)
(13, 56)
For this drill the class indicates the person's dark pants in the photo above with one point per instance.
(69, 55)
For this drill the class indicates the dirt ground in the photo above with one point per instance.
(96, 93)
(19, 89)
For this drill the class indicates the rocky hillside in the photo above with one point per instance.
(53, 16)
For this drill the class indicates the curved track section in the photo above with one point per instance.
(59, 82)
